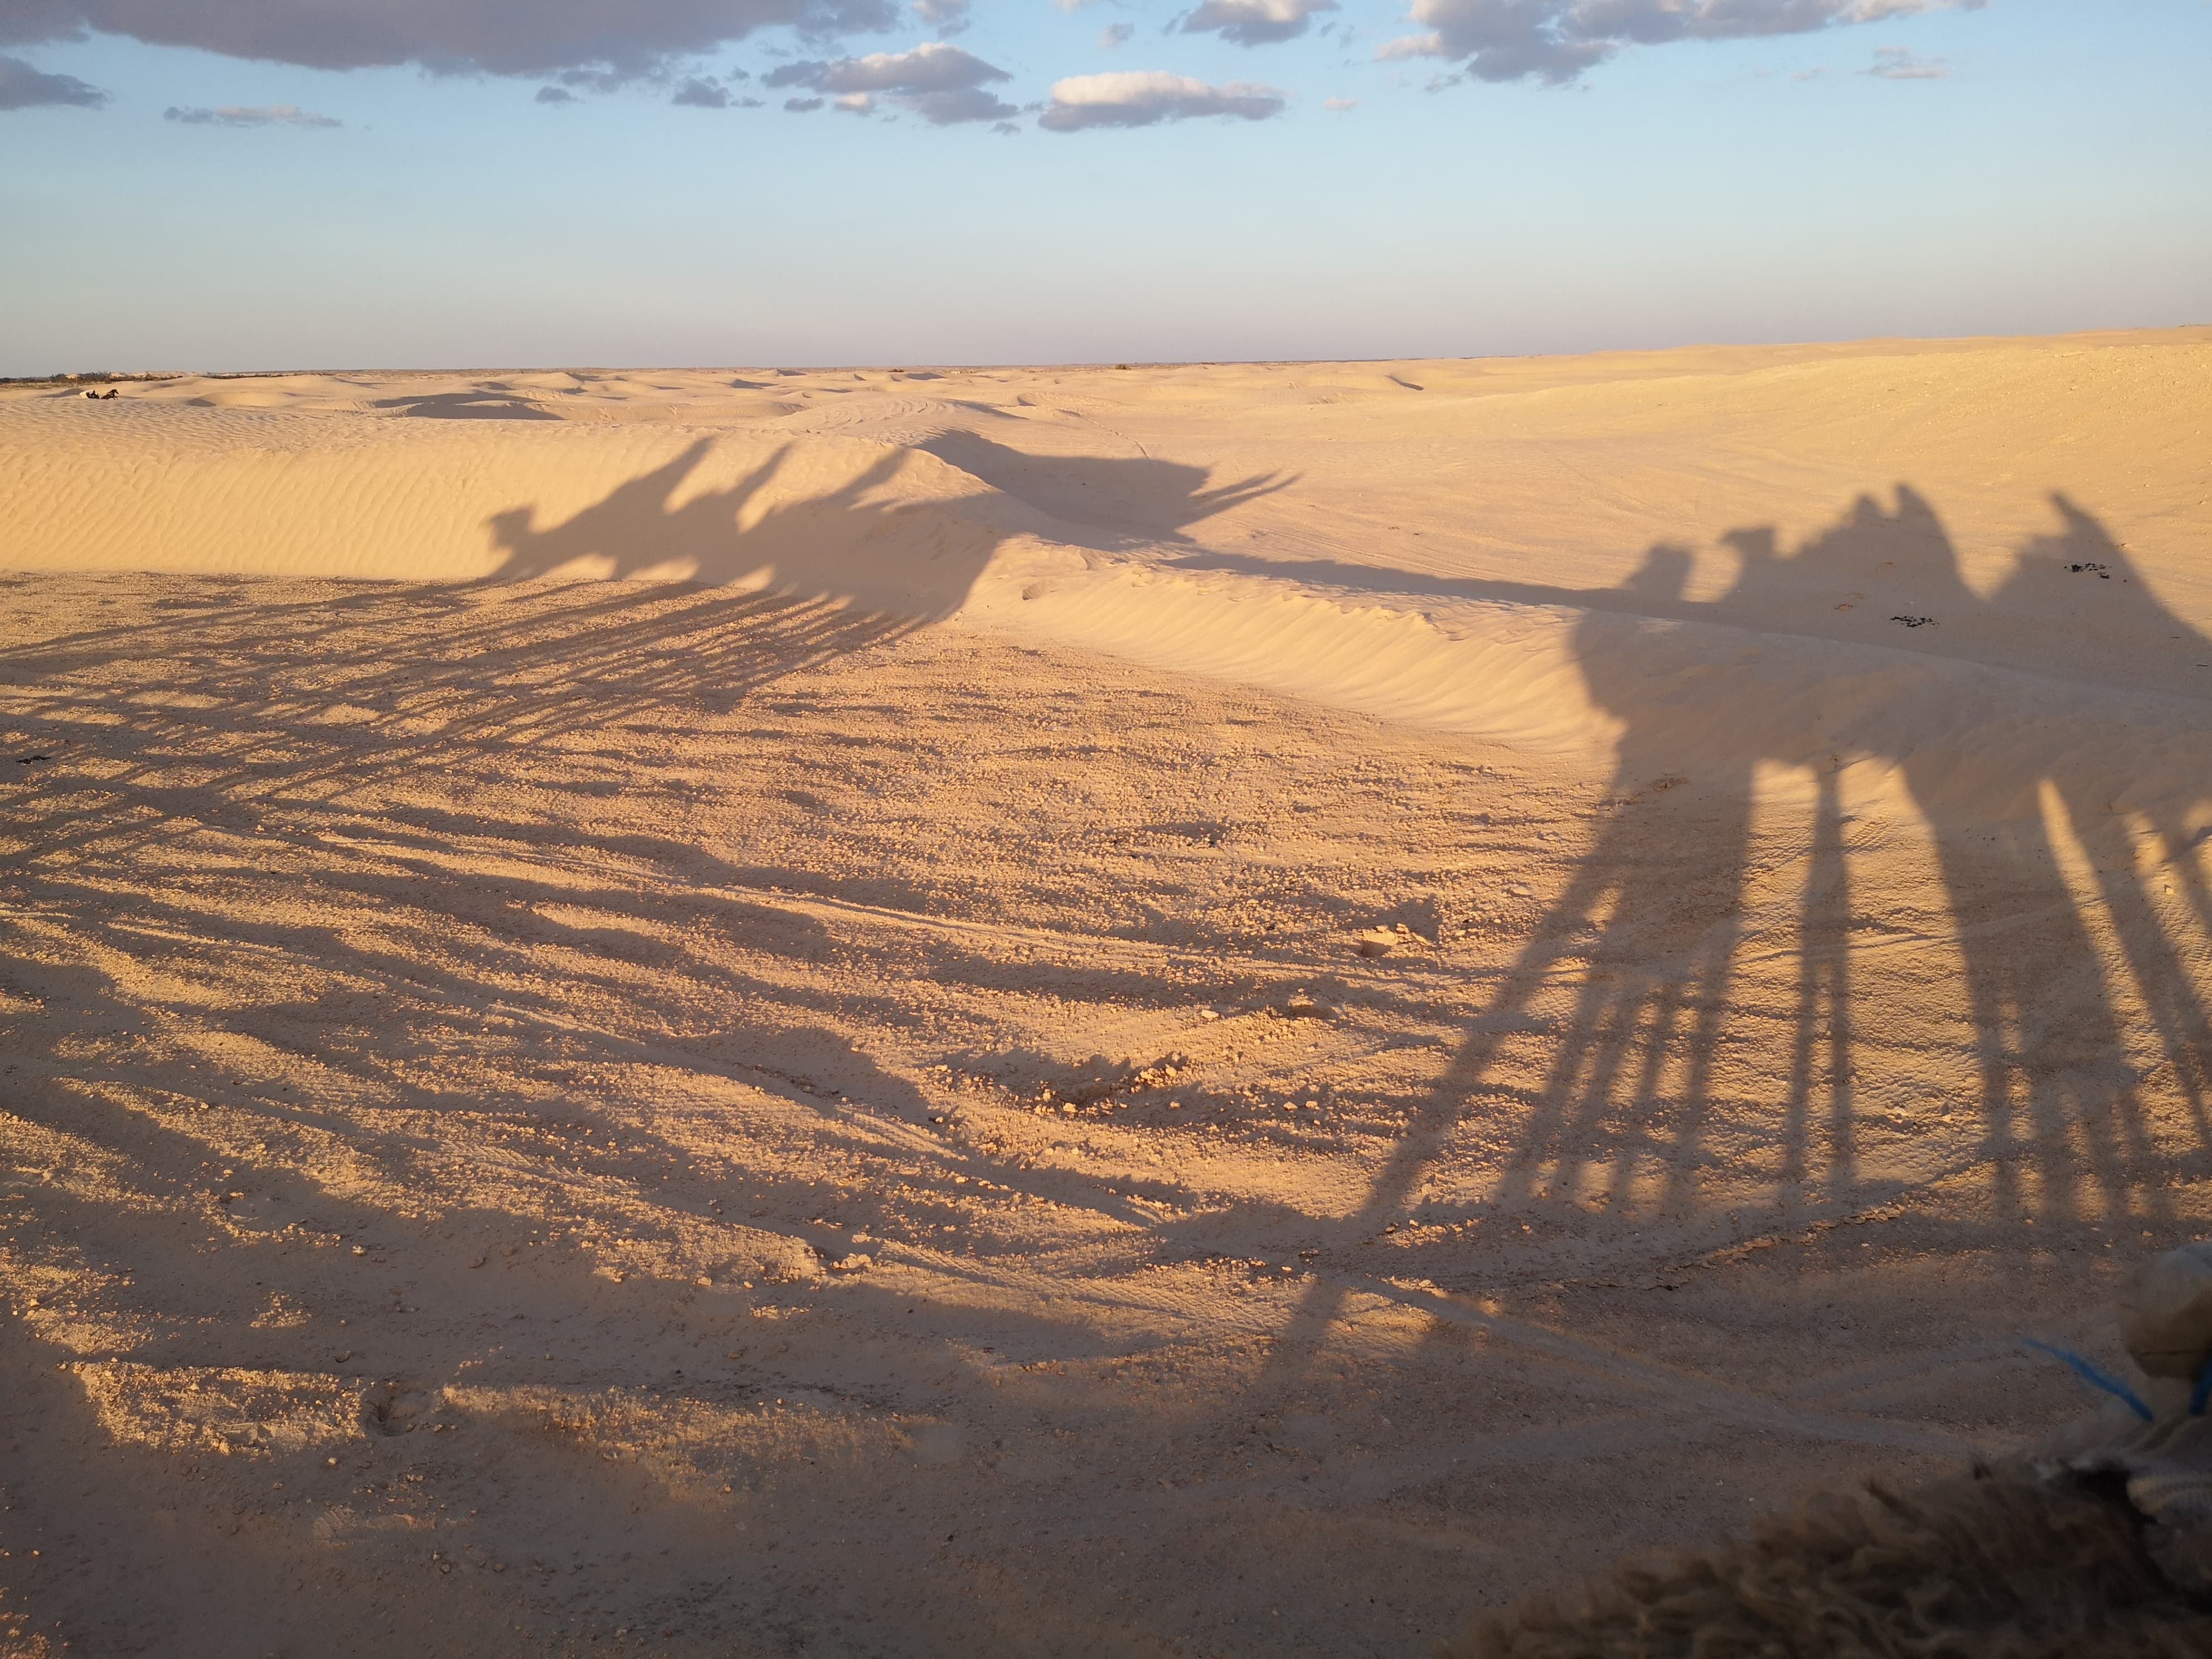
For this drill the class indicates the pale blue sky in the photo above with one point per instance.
(2038, 167)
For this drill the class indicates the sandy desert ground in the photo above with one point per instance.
(1205, 1011)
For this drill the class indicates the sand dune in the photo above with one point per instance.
(1208, 1009)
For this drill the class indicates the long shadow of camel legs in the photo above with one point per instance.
(1820, 1044)
(1604, 1032)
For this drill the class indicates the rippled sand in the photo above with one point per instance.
(1220, 1010)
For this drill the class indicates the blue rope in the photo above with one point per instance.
(2203, 1392)
(2111, 1385)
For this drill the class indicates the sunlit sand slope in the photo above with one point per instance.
(1219, 1011)
(1414, 540)
(181, 490)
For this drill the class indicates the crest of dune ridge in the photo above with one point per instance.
(903, 1011)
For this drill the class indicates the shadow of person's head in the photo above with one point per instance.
(1663, 576)
(1759, 557)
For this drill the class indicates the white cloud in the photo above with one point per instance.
(1137, 98)
(22, 87)
(1556, 40)
(855, 103)
(933, 66)
(941, 83)
(1255, 22)
(1897, 63)
(256, 115)
(1114, 34)
(1339, 105)
(1430, 45)
(623, 39)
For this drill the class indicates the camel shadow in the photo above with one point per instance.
(1642, 947)
(1119, 501)
(865, 539)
